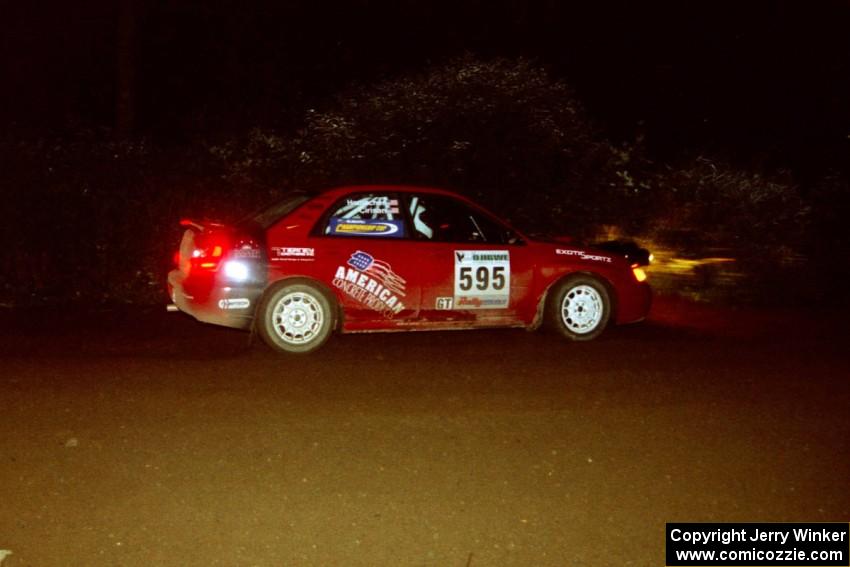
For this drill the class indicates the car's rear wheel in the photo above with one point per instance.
(579, 307)
(297, 318)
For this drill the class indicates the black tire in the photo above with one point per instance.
(579, 307)
(296, 317)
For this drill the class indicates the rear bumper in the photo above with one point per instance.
(229, 306)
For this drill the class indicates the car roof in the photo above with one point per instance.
(344, 189)
(337, 192)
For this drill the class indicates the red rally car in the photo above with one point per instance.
(394, 258)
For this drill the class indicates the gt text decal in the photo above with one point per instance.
(583, 255)
(444, 303)
(372, 283)
(482, 279)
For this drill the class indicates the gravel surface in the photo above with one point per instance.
(140, 438)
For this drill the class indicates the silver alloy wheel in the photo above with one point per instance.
(582, 309)
(297, 318)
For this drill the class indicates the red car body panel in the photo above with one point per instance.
(384, 283)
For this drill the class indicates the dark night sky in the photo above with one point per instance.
(757, 81)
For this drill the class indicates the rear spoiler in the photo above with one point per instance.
(200, 226)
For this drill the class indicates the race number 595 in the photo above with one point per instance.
(483, 278)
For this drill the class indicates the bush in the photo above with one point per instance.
(91, 219)
(705, 204)
(828, 240)
(95, 220)
(500, 130)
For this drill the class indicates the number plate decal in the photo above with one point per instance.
(482, 279)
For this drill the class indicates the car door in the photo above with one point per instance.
(370, 260)
(475, 270)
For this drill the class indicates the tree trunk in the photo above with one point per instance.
(125, 88)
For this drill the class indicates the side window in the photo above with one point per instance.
(443, 219)
(366, 214)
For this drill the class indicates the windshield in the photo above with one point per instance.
(270, 214)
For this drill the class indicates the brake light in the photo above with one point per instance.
(208, 257)
(205, 245)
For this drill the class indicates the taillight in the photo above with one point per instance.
(215, 248)
(208, 256)
(639, 274)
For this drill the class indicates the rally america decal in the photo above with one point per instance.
(372, 283)
(482, 279)
(383, 228)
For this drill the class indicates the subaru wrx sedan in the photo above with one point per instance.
(397, 258)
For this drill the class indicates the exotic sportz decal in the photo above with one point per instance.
(482, 279)
(583, 255)
(372, 283)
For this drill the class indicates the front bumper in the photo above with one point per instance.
(633, 303)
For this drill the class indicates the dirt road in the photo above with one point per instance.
(140, 438)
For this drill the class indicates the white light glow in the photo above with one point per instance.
(236, 271)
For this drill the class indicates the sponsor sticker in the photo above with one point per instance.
(482, 279)
(293, 252)
(371, 283)
(582, 255)
(246, 253)
(479, 303)
(378, 228)
(235, 303)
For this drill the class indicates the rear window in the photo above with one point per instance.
(270, 214)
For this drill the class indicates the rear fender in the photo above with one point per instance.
(295, 279)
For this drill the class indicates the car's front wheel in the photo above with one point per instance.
(579, 307)
(296, 318)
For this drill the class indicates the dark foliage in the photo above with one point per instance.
(93, 220)
(501, 130)
(96, 220)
